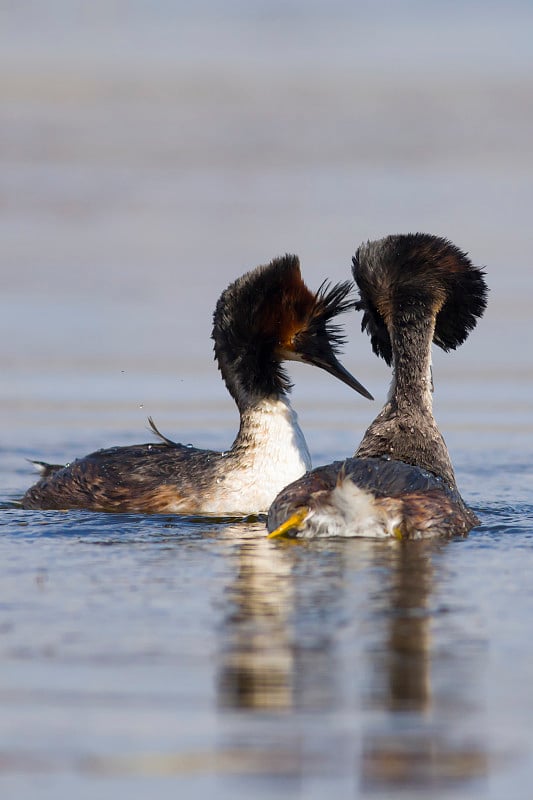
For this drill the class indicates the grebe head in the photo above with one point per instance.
(403, 279)
(268, 316)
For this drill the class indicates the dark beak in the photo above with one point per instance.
(322, 356)
(331, 364)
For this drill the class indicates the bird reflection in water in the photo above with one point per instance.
(416, 746)
(292, 641)
(256, 657)
(269, 659)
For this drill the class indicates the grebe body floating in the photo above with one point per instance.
(415, 289)
(262, 319)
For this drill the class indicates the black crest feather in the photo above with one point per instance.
(330, 302)
(264, 315)
(402, 277)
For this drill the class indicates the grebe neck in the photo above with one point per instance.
(412, 384)
(270, 435)
(405, 429)
(268, 453)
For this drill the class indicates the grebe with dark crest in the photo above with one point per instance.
(415, 289)
(262, 319)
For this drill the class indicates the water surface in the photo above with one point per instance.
(150, 154)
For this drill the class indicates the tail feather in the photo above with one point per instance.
(160, 435)
(44, 469)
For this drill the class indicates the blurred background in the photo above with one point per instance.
(152, 151)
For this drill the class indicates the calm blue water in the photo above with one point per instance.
(151, 152)
(158, 654)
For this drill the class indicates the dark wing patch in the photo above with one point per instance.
(387, 478)
(149, 478)
(432, 513)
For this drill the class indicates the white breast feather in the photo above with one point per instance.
(351, 511)
(272, 453)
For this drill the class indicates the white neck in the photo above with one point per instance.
(269, 452)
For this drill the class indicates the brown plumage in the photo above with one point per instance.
(414, 290)
(263, 318)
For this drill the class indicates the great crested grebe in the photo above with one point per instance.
(414, 289)
(265, 317)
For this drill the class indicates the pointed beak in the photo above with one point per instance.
(319, 353)
(294, 523)
(331, 364)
